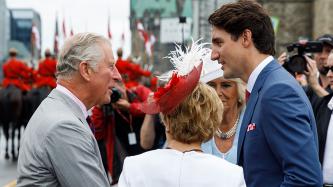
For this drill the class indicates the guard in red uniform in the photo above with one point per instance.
(130, 72)
(46, 71)
(16, 72)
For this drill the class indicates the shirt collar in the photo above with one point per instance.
(330, 104)
(255, 73)
(65, 91)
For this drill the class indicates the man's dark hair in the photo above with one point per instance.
(47, 54)
(234, 18)
(12, 53)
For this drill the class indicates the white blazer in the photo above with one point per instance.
(168, 168)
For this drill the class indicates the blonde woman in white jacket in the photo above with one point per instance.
(191, 112)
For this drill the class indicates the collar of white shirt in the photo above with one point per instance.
(330, 104)
(255, 73)
(74, 98)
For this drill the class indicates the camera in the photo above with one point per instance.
(115, 96)
(297, 63)
(107, 108)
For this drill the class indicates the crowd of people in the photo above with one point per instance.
(228, 115)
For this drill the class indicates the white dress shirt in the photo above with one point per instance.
(255, 73)
(328, 153)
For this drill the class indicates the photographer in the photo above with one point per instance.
(322, 110)
(298, 65)
(321, 62)
(119, 123)
(312, 78)
(319, 76)
(321, 59)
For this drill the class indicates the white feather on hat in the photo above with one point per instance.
(184, 62)
(211, 69)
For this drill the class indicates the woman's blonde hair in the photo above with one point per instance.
(197, 117)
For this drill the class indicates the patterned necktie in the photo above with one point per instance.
(247, 96)
(91, 125)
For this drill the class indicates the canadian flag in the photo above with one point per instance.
(149, 40)
(35, 37)
(149, 45)
(64, 28)
(72, 32)
(109, 29)
(56, 38)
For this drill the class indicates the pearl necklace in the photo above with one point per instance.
(229, 133)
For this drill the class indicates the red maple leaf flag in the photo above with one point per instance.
(64, 28)
(72, 32)
(146, 38)
(35, 37)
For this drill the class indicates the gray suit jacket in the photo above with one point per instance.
(58, 147)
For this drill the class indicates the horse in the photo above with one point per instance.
(30, 102)
(10, 112)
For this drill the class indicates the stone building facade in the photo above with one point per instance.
(4, 29)
(300, 19)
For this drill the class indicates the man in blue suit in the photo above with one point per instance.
(278, 143)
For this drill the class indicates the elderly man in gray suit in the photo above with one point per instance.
(59, 148)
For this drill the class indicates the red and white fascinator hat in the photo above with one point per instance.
(181, 81)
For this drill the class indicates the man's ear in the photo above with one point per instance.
(247, 38)
(85, 71)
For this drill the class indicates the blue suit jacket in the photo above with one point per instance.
(282, 148)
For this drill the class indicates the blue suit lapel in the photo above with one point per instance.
(252, 103)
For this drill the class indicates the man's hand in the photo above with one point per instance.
(282, 58)
(311, 75)
(122, 104)
(312, 72)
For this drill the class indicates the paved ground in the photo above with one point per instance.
(8, 172)
(7, 167)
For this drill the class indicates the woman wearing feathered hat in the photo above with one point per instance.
(191, 112)
(232, 94)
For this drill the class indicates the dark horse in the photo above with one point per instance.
(31, 101)
(16, 109)
(10, 112)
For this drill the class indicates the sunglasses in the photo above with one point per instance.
(327, 69)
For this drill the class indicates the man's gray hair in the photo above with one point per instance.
(81, 47)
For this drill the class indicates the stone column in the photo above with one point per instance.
(296, 18)
(323, 17)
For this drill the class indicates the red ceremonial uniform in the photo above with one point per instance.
(17, 73)
(104, 132)
(46, 73)
(132, 71)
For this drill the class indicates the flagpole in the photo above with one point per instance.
(151, 59)
(56, 38)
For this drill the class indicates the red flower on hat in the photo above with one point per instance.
(171, 84)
